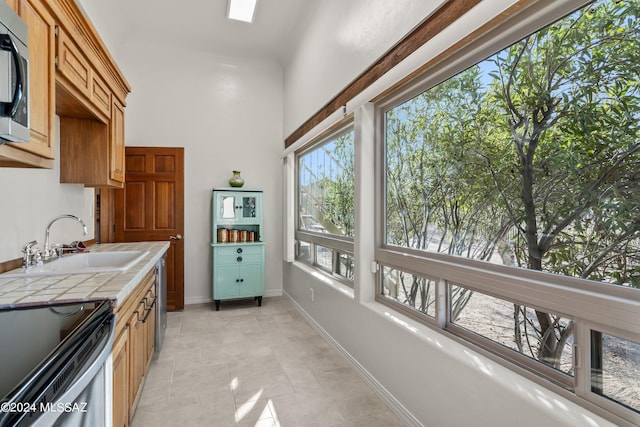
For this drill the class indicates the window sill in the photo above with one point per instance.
(514, 380)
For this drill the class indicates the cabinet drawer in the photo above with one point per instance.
(237, 254)
(101, 95)
(72, 64)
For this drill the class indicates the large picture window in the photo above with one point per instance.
(528, 160)
(325, 197)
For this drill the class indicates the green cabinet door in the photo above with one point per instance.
(251, 280)
(226, 282)
(234, 208)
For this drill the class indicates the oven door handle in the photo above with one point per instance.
(9, 109)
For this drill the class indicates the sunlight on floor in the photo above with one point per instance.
(245, 408)
(268, 416)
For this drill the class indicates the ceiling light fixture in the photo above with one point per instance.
(241, 10)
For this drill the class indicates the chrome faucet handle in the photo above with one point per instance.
(37, 258)
(55, 250)
(52, 252)
(27, 247)
(31, 254)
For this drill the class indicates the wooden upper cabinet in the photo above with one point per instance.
(88, 153)
(90, 100)
(72, 75)
(40, 150)
(91, 151)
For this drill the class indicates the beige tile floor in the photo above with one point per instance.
(253, 366)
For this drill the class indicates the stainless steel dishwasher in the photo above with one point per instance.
(161, 307)
(56, 365)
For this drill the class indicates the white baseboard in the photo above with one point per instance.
(371, 381)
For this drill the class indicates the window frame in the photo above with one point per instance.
(335, 243)
(609, 309)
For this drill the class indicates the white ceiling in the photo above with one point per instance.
(201, 24)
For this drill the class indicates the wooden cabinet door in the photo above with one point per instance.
(41, 78)
(121, 380)
(137, 353)
(116, 148)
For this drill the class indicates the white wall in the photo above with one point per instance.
(227, 114)
(341, 40)
(31, 198)
(424, 375)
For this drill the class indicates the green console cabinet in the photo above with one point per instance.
(237, 244)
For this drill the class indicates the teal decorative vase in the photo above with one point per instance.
(236, 180)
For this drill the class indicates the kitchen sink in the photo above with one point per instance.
(86, 262)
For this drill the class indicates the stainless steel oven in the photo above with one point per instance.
(56, 365)
(14, 76)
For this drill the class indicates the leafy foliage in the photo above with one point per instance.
(530, 158)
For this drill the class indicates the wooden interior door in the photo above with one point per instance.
(151, 207)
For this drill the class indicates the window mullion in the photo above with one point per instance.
(442, 303)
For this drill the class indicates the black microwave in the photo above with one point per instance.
(14, 76)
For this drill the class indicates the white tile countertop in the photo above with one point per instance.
(16, 292)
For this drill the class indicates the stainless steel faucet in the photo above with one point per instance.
(46, 248)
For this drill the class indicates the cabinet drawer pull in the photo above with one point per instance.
(145, 302)
(148, 312)
(239, 280)
(147, 309)
(239, 250)
(239, 259)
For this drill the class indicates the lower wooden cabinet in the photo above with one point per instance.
(133, 349)
(121, 379)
